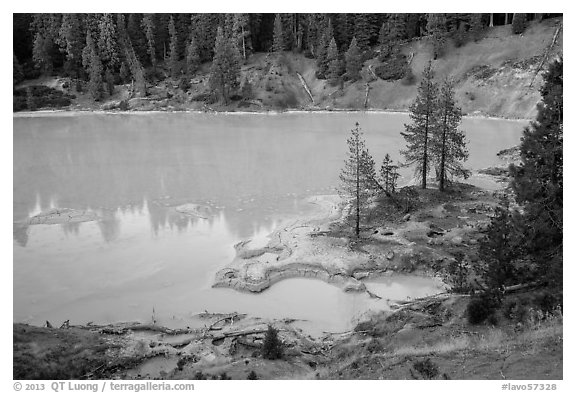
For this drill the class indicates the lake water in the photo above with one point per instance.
(252, 171)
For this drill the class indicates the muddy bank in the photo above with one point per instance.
(218, 343)
(323, 247)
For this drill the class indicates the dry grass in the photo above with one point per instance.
(451, 345)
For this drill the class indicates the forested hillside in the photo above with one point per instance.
(279, 61)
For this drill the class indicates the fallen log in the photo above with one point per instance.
(546, 54)
(303, 82)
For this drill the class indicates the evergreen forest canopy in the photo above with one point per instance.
(108, 49)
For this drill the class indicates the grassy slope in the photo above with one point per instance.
(505, 94)
(388, 346)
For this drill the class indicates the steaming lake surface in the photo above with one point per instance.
(249, 174)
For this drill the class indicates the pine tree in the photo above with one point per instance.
(448, 145)
(107, 42)
(519, 23)
(476, 26)
(389, 174)
(499, 251)
(44, 51)
(131, 59)
(272, 348)
(397, 27)
(278, 45)
(334, 66)
(322, 52)
(148, 26)
(17, 72)
(192, 57)
(225, 69)
(93, 65)
(136, 35)
(173, 57)
(423, 113)
(437, 30)
(72, 40)
(538, 180)
(353, 61)
(357, 176)
(384, 33)
(362, 31)
(241, 32)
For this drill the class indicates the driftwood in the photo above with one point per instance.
(239, 333)
(231, 317)
(303, 82)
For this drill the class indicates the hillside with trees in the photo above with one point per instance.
(254, 62)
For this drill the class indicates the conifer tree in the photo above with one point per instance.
(362, 31)
(278, 45)
(136, 35)
(499, 252)
(448, 142)
(192, 57)
(107, 42)
(423, 113)
(397, 27)
(384, 33)
(334, 67)
(148, 26)
(357, 176)
(538, 180)
(476, 26)
(72, 40)
(225, 70)
(131, 59)
(173, 57)
(241, 31)
(17, 72)
(437, 30)
(272, 348)
(353, 61)
(389, 174)
(44, 50)
(322, 57)
(93, 65)
(519, 23)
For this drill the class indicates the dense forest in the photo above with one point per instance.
(100, 51)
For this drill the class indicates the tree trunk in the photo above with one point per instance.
(357, 190)
(425, 160)
(443, 155)
(243, 43)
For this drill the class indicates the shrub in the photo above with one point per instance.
(458, 271)
(392, 69)
(252, 375)
(426, 368)
(409, 77)
(480, 308)
(516, 310)
(273, 348)
(547, 302)
(34, 97)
